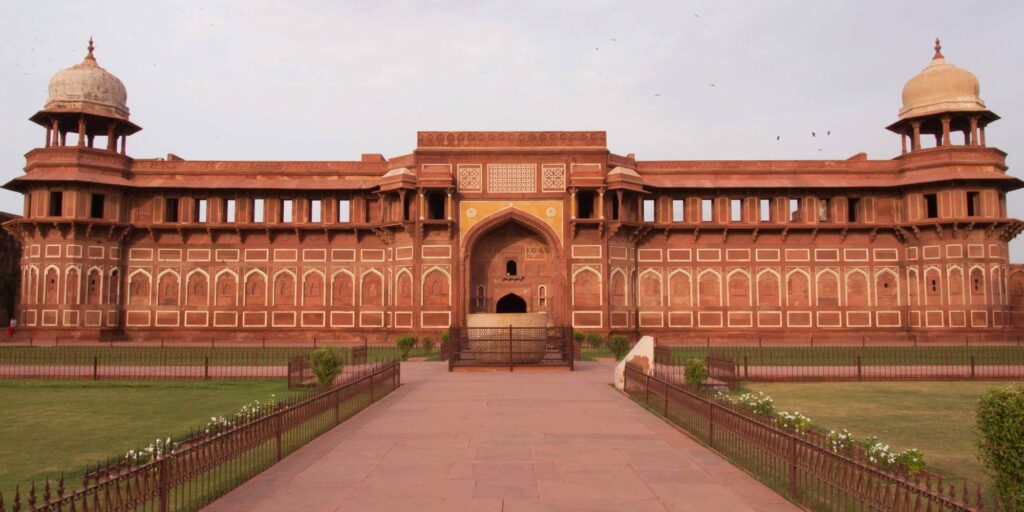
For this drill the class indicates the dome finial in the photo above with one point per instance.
(938, 49)
(91, 47)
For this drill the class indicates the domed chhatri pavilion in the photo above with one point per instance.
(475, 223)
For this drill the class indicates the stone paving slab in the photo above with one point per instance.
(537, 441)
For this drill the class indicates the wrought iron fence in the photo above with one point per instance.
(510, 347)
(208, 465)
(801, 467)
(870, 363)
(168, 362)
(839, 338)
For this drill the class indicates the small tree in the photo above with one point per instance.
(326, 364)
(594, 340)
(696, 372)
(619, 345)
(405, 344)
(1000, 422)
(427, 344)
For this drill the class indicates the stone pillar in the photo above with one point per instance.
(401, 206)
(49, 137)
(572, 203)
(982, 136)
(903, 142)
(618, 196)
(946, 140)
(81, 131)
(973, 139)
(915, 141)
(423, 206)
(111, 138)
(448, 206)
(600, 204)
(56, 133)
(124, 144)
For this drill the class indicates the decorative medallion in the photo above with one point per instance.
(471, 213)
(551, 212)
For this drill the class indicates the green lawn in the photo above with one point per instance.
(183, 356)
(909, 355)
(52, 426)
(934, 417)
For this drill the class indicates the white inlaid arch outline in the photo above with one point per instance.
(351, 276)
(721, 284)
(209, 285)
(383, 283)
(661, 286)
(295, 285)
(728, 279)
(689, 275)
(266, 286)
(423, 282)
(600, 296)
(778, 282)
(323, 287)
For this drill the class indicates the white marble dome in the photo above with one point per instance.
(88, 88)
(939, 88)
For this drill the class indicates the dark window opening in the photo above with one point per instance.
(973, 203)
(56, 204)
(931, 202)
(435, 206)
(407, 208)
(510, 303)
(615, 208)
(171, 209)
(585, 204)
(511, 268)
(96, 206)
(852, 209)
(935, 286)
(977, 285)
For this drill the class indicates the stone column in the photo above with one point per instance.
(945, 131)
(572, 203)
(600, 204)
(448, 206)
(111, 138)
(982, 136)
(423, 207)
(915, 141)
(973, 139)
(81, 131)
(903, 142)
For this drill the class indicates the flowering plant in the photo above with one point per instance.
(911, 459)
(841, 441)
(794, 421)
(879, 453)
(158, 448)
(758, 404)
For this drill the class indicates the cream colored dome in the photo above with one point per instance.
(941, 87)
(88, 88)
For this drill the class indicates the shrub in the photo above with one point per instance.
(578, 337)
(759, 404)
(444, 337)
(594, 340)
(427, 344)
(1000, 423)
(619, 345)
(405, 344)
(794, 421)
(841, 441)
(912, 460)
(879, 453)
(326, 364)
(696, 372)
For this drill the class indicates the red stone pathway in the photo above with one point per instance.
(555, 441)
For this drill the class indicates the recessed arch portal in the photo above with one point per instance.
(510, 303)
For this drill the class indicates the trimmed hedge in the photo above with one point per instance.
(1000, 423)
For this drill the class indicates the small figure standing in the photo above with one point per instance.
(10, 327)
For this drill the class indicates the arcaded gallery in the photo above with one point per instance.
(552, 224)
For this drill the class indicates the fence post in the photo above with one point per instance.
(372, 397)
(860, 375)
(277, 435)
(95, 367)
(973, 376)
(792, 466)
(206, 368)
(665, 407)
(647, 390)
(711, 425)
(746, 368)
(509, 347)
(337, 406)
(165, 483)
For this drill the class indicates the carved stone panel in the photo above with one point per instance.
(227, 289)
(92, 287)
(342, 290)
(313, 290)
(50, 294)
(856, 290)
(138, 289)
(680, 286)
(977, 286)
(256, 289)
(710, 289)
(586, 289)
(798, 290)
(167, 292)
(956, 287)
(71, 287)
(372, 290)
(768, 290)
(650, 290)
(828, 289)
(886, 290)
(618, 290)
(739, 290)
(435, 289)
(403, 290)
(284, 289)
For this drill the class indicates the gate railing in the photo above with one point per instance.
(510, 347)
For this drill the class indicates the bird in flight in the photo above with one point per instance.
(712, 85)
(777, 137)
(658, 94)
(814, 134)
(828, 132)
(695, 15)
(616, 40)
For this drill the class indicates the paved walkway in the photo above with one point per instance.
(555, 441)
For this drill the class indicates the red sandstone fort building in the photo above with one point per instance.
(497, 222)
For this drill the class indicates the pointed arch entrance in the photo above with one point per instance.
(512, 260)
(510, 303)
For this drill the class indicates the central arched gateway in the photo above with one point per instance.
(513, 264)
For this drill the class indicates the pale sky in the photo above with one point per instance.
(330, 80)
